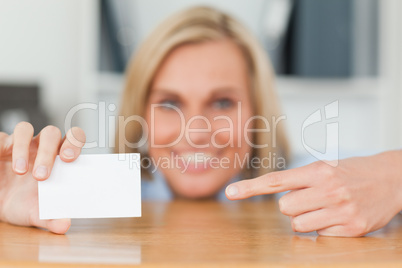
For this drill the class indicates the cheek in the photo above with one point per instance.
(247, 136)
(230, 131)
(223, 131)
(164, 127)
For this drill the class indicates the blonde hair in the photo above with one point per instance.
(195, 25)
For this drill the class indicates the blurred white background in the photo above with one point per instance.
(56, 45)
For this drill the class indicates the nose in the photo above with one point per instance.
(198, 130)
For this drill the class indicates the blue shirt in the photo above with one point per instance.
(157, 189)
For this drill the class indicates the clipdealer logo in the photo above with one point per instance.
(331, 120)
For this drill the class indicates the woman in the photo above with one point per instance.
(203, 84)
(202, 73)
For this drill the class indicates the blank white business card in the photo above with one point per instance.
(93, 186)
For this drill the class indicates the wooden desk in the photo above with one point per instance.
(197, 234)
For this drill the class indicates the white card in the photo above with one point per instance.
(93, 186)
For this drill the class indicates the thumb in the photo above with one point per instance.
(59, 226)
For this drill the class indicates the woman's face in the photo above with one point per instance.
(197, 109)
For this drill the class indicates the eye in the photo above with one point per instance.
(169, 104)
(222, 104)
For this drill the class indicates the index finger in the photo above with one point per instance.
(270, 183)
(22, 137)
(72, 144)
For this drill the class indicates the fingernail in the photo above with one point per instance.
(41, 172)
(20, 165)
(232, 190)
(68, 153)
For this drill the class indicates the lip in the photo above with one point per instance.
(194, 161)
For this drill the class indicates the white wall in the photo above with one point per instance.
(39, 42)
(391, 73)
(149, 13)
(359, 118)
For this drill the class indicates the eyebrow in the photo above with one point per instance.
(216, 92)
(223, 91)
(166, 92)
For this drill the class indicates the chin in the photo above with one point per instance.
(194, 195)
(195, 187)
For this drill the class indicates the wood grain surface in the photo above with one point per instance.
(197, 234)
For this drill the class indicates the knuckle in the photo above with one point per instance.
(350, 211)
(26, 126)
(344, 194)
(283, 208)
(324, 170)
(5, 143)
(297, 225)
(340, 195)
(76, 136)
(247, 188)
(275, 179)
(46, 153)
(359, 227)
(3, 136)
(318, 165)
(52, 130)
(78, 132)
(328, 172)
